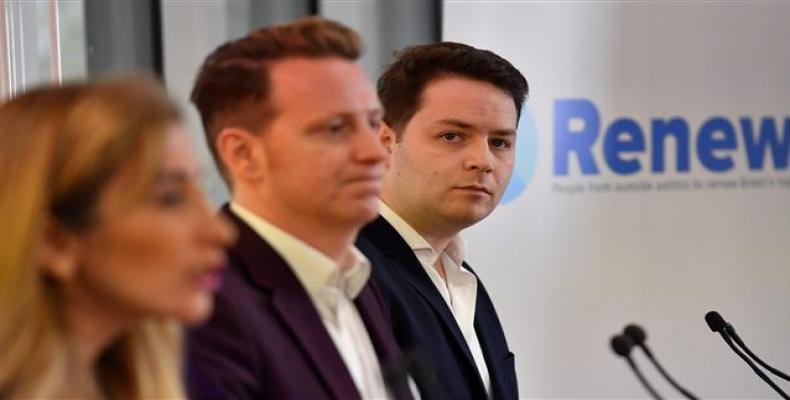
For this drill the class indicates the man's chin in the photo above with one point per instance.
(468, 216)
(363, 212)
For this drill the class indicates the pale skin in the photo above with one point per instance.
(120, 270)
(451, 163)
(315, 169)
(91, 329)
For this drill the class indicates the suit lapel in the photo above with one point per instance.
(371, 310)
(297, 311)
(393, 366)
(293, 306)
(484, 328)
(405, 261)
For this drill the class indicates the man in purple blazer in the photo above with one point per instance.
(291, 121)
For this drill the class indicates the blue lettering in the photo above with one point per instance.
(756, 148)
(709, 146)
(577, 141)
(623, 136)
(576, 131)
(679, 129)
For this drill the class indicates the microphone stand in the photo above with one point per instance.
(642, 379)
(731, 331)
(621, 345)
(639, 337)
(758, 371)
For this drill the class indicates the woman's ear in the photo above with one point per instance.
(58, 251)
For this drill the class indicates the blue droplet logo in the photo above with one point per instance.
(526, 157)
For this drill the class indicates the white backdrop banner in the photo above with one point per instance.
(651, 186)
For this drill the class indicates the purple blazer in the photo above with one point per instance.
(265, 339)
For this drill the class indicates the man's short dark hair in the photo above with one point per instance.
(232, 88)
(401, 85)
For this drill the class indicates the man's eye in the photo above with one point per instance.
(500, 143)
(336, 127)
(375, 124)
(451, 136)
(170, 198)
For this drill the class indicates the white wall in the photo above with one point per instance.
(567, 271)
(190, 31)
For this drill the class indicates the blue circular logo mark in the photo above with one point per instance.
(526, 157)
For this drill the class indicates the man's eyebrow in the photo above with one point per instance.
(377, 112)
(455, 122)
(318, 121)
(465, 125)
(504, 132)
(172, 176)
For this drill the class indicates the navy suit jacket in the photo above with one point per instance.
(265, 339)
(424, 324)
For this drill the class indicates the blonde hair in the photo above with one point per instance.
(59, 146)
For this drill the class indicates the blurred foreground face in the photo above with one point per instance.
(454, 157)
(323, 160)
(161, 255)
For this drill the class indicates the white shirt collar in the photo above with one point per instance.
(313, 268)
(458, 288)
(456, 249)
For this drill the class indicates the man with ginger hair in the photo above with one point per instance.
(291, 121)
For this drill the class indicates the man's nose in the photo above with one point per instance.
(478, 155)
(367, 146)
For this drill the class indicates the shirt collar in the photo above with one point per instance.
(456, 249)
(313, 268)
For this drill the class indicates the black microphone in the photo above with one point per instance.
(717, 324)
(621, 345)
(638, 337)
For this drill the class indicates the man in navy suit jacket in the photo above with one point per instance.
(451, 113)
(291, 120)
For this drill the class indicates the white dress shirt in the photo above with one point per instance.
(459, 290)
(332, 290)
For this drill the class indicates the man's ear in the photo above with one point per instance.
(59, 251)
(387, 137)
(240, 154)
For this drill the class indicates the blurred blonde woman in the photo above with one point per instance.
(105, 243)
